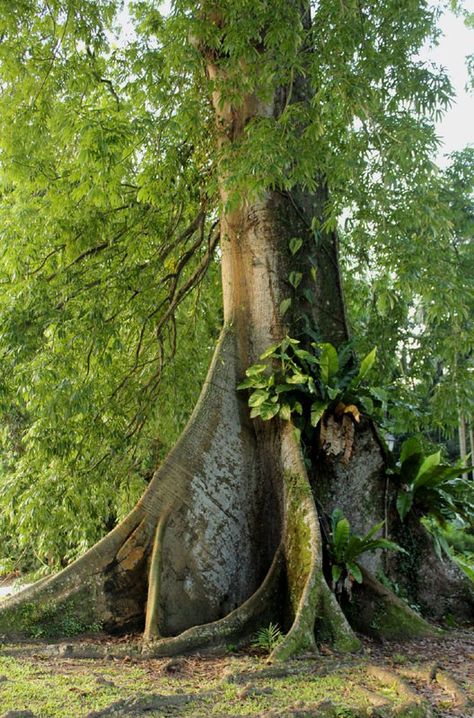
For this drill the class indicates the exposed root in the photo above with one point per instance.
(195, 543)
(412, 705)
(210, 558)
(334, 622)
(152, 629)
(137, 706)
(78, 590)
(452, 687)
(303, 554)
(378, 612)
(438, 585)
(236, 624)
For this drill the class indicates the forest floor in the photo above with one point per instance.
(429, 677)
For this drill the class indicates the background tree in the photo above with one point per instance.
(261, 123)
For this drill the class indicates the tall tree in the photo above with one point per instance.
(256, 123)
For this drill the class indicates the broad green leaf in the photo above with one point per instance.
(438, 475)
(382, 543)
(409, 448)
(285, 305)
(355, 546)
(285, 412)
(255, 369)
(252, 383)
(336, 572)
(295, 244)
(282, 388)
(336, 516)
(404, 502)
(328, 362)
(270, 351)
(317, 410)
(268, 411)
(297, 408)
(374, 530)
(258, 397)
(297, 378)
(295, 279)
(367, 404)
(341, 536)
(428, 463)
(355, 571)
(366, 365)
(304, 354)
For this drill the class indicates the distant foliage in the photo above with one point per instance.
(430, 486)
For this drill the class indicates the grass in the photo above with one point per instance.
(64, 688)
(374, 683)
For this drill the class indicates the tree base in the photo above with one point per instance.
(221, 543)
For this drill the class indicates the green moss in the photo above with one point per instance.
(333, 623)
(299, 552)
(393, 622)
(69, 617)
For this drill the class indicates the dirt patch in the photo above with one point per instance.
(393, 679)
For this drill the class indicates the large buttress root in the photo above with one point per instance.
(213, 554)
(256, 611)
(435, 583)
(377, 611)
(310, 598)
(225, 539)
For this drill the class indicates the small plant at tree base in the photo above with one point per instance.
(346, 547)
(432, 487)
(268, 638)
(302, 385)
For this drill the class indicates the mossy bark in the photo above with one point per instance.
(376, 611)
(434, 583)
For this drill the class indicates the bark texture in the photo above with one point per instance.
(435, 584)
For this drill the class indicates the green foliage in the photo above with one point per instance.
(268, 638)
(458, 537)
(429, 486)
(108, 200)
(302, 385)
(80, 453)
(452, 540)
(45, 622)
(345, 548)
(466, 563)
(419, 312)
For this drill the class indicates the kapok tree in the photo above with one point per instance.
(294, 101)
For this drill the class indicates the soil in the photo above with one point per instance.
(421, 678)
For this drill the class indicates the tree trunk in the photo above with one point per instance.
(226, 536)
(471, 446)
(462, 441)
(436, 584)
